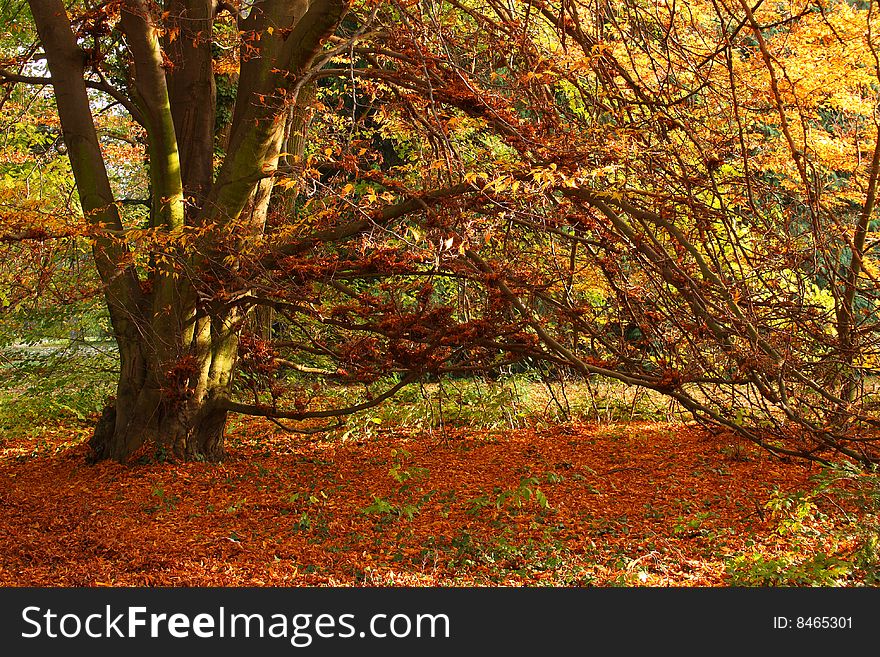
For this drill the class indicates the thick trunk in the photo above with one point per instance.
(156, 429)
(192, 93)
(176, 409)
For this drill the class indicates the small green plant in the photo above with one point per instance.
(361, 427)
(162, 455)
(402, 473)
(304, 523)
(523, 493)
(477, 504)
(385, 509)
(795, 513)
(379, 506)
(693, 526)
(820, 548)
(504, 554)
(165, 501)
(736, 452)
(308, 498)
(859, 489)
(787, 569)
(553, 478)
(236, 506)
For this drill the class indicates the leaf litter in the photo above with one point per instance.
(653, 504)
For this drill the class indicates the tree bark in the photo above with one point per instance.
(193, 94)
(178, 411)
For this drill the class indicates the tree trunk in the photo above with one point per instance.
(173, 408)
(177, 345)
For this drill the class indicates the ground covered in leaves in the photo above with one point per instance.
(656, 504)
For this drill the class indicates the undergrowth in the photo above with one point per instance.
(819, 549)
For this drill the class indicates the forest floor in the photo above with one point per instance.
(573, 504)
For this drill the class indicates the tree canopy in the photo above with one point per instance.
(282, 193)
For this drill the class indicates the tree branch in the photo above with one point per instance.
(66, 63)
(103, 85)
(151, 94)
(380, 218)
(269, 412)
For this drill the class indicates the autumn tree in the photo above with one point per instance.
(676, 197)
(700, 182)
(182, 283)
(176, 355)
